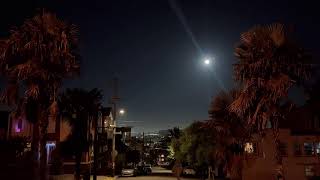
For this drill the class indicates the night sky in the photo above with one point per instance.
(157, 55)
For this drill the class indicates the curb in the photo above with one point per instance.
(112, 178)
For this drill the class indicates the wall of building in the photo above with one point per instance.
(58, 131)
(262, 164)
(65, 130)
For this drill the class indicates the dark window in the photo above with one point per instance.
(20, 123)
(297, 149)
(283, 149)
(4, 119)
(308, 149)
(309, 170)
(316, 122)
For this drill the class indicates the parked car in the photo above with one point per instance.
(147, 169)
(188, 171)
(129, 171)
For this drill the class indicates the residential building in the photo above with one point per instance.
(11, 126)
(58, 131)
(125, 132)
(299, 146)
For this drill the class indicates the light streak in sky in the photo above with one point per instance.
(177, 10)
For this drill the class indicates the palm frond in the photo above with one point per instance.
(277, 34)
(269, 64)
(32, 91)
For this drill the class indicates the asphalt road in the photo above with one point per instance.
(152, 178)
(160, 170)
(158, 173)
(70, 177)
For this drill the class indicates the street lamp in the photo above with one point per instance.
(122, 111)
(114, 127)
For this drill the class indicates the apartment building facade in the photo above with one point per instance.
(299, 137)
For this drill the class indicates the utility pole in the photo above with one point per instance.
(114, 100)
(95, 148)
(143, 147)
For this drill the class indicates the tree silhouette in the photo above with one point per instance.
(36, 57)
(269, 63)
(79, 107)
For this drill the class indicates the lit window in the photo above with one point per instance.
(269, 125)
(18, 126)
(50, 147)
(250, 148)
(309, 171)
(28, 147)
(297, 149)
(317, 148)
(74, 115)
(283, 149)
(308, 149)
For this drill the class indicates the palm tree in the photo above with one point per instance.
(269, 64)
(36, 57)
(230, 132)
(79, 107)
(175, 132)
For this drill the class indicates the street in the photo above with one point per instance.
(154, 177)
(159, 170)
(158, 173)
(70, 177)
(151, 178)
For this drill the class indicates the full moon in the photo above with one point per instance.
(207, 61)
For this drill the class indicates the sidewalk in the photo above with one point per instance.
(71, 177)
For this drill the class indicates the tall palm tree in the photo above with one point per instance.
(175, 132)
(230, 132)
(269, 64)
(79, 107)
(36, 57)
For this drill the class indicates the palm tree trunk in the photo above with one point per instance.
(43, 141)
(278, 156)
(78, 166)
(236, 170)
(35, 149)
(35, 141)
(318, 164)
